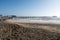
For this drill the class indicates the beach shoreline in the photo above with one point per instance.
(31, 21)
(51, 26)
(11, 29)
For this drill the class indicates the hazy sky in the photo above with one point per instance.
(30, 7)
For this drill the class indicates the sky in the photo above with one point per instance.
(30, 7)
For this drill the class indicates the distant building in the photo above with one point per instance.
(54, 16)
(0, 15)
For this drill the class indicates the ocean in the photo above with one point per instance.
(38, 18)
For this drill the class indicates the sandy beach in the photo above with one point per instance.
(27, 30)
(51, 26)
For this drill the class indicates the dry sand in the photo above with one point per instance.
(51, 26)
(24, 30)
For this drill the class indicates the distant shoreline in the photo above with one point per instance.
(32, 21)
(51, 26)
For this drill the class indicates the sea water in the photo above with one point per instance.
(40, 19)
